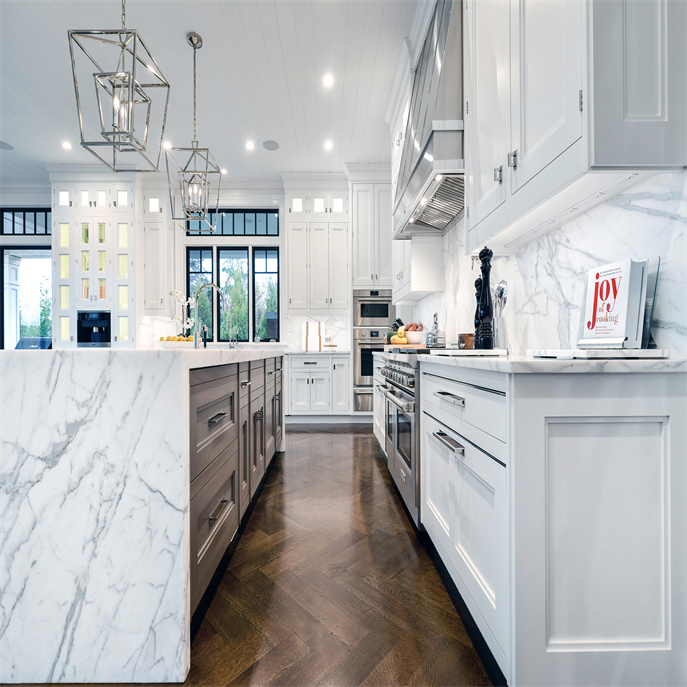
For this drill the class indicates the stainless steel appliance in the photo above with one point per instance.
(366, 342)
(430, 193)
(373, 309)
(93, 329)
(402, 422)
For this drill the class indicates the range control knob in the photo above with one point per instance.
(411, 381)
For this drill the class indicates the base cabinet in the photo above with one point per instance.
(320, 384)
(236, 428)
(558, 504)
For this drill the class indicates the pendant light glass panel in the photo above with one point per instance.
(121, 97)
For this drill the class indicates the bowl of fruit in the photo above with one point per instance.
(414, 333)
(172, 342)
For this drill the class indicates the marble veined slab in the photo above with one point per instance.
(94, 530)
(525, 365)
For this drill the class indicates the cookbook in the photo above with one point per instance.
(613, 315)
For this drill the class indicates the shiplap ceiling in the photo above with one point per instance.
(260, 74)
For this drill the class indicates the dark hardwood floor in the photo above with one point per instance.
(329, 584)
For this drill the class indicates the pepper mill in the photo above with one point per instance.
(486, 306)
(478, 293)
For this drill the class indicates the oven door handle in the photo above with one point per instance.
(405, 406)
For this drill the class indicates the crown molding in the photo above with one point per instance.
(361, 173)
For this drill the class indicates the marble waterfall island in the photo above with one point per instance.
(94, 496)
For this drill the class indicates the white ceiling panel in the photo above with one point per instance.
(260, 76)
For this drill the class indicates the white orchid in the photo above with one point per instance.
(186, 323)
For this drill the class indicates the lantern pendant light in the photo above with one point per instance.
(121, 97)
(192, 172)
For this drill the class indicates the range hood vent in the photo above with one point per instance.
(431, 183)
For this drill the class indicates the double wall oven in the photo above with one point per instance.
(373, 313)
(401, 419)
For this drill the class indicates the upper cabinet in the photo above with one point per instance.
(567, 103)
(371, 227)
(317, 265)
(418, 268)
(313, 204)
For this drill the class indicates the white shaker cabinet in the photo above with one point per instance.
(418, 267)
(554, 494)
(342, 383)
(371, 227)
(317, 264)
(566, 103)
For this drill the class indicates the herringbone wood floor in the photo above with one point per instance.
(329, 584)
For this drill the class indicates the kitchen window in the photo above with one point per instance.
(249, 278)
(238, 223)
(26, 222)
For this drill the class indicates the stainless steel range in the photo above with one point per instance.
(402, 422)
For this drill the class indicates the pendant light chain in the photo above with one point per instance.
(123, 15)
(194, 92)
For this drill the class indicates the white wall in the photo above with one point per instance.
(546, 278)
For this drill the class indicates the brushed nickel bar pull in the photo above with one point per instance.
(450, 398)
(218, 510)
(216, 418)
(446, 441)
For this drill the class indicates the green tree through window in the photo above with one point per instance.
(233, 269)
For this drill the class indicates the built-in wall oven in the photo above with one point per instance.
(373, 309)
(366, 342)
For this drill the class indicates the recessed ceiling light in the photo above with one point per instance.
(167, 145)
(328, 80)
(5, 146)
(66, 145)
(328, 145)
(224, 171)
(250, 145)
(270, 145)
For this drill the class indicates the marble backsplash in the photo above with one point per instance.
(337, 328)
(546, 279)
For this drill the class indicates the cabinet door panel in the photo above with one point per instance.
(338, 266)
(489, 103)
(383, 234)
(318, 265)
(363, 232)
(342, 383)
(546, 78)
(320, 392)
(297, 257)
(153, 268)
(299, 392)
(244, 457)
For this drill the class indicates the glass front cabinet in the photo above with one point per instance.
(93, 261)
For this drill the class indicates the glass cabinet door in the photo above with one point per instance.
(123, 284)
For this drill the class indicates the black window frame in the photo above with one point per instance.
(200, 232)
(188, 283)
(215, 332)
(218, 250)
(45, 211)
(252, 268)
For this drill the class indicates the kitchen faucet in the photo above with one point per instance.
(195, 311)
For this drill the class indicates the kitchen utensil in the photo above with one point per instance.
(435, 338)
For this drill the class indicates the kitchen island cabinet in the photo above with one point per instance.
(555, 494)
(96, 492)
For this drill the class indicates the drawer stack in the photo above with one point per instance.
(214, 470)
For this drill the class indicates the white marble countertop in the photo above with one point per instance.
(525, 365)
(329, 351)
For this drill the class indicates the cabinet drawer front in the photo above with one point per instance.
(214, 520)
(315, 362)
(257, 374)
(270, 365)
(244, 379)
(211, 374)
(213, 422)
(465, 511)
(453, 402)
